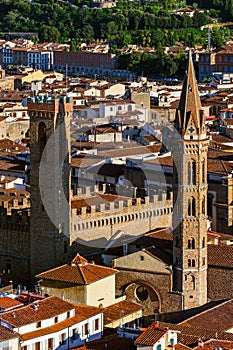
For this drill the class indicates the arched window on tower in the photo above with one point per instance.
(41, 137)
(192, 207)
(191, 243)
(203, 210)
(203, 171)
(192, 280)
(203, 242)
(189, 263)
(193, 263)
(192, 172)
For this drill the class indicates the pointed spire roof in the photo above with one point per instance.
(189, 113)
(78, 259)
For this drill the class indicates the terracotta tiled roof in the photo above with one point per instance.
(84, 161)
(220, 256)
(191, 334)
(150, 336)
(14, 166)
(82, 312)
(216, 344)
(6, 144)
(219, 318)
(6, 333)
(78, 259)
(95, 200)
(46, 308)
(79, 274)
(121, 309)
(179, 346)
(9, 303)
(219, 166)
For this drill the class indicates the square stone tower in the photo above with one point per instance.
(49, 181)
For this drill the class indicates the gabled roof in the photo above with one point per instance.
(38, 311)
(150, 336)
(82, 312)
(79, 273)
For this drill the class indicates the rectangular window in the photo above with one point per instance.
(50, 344)
(96, 324)
(38, 324)
(56, 319)
(85, 329)
(37, 346)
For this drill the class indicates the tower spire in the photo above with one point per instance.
(189, 115)
(189, 219)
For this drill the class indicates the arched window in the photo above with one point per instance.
(203, 205)
(189, 244)
(192, 280)
(203, 242)
(189, 262)
(41, 137)
(192, 207)
(203, 261)
(193, 263)
(203, 171)
(159, 347)
(193, 243)
(192, 172)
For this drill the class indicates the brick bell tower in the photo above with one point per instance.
(49, 147)
(189, 150)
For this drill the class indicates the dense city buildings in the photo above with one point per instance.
(116, 207)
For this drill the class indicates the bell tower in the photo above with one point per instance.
(49, 181)
(189, 150)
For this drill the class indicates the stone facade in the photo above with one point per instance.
(189, 149)
(49, 181)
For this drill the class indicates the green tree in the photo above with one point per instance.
(88, 33)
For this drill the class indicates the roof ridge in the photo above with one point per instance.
(205, 311)
(81, 273)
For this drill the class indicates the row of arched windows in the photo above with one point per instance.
(192, 171)
(191, 243)
(192, 206)
(121, 219)
(192, 263)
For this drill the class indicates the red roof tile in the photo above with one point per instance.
(121, 309)
(9, 303)
(83, 273)
(41, 310)
(150, 336)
